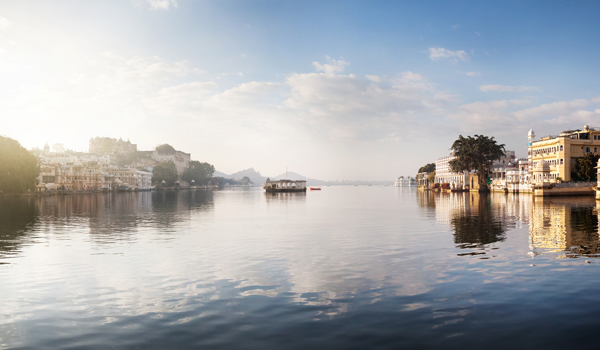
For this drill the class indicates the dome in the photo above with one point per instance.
(542, 166)
(531, 133)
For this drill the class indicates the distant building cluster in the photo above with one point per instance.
(109, 165)
(550, 160)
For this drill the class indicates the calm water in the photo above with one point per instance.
(343, 268)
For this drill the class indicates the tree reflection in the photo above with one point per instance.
(478, 225)
(17, 215)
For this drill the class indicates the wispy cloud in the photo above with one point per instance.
(332, 66)
(506, 88)
(472, 74)
(5, 23)
(161, 4)
(438, 53)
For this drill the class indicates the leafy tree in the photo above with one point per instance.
(18, 168)
(164, 171)
(246, 181)
(427, 168)
(476, 153)
(585, 167)
(165, 148)
(431, 177)
(201, 173)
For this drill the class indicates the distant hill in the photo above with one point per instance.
(258, 179)
(295, 176)
(220, 174)
(254, 176)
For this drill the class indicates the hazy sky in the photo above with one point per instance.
(332, 90)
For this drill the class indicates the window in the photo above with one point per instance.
(595, 149)
(587, 150)
(561, 148)
(561, 161)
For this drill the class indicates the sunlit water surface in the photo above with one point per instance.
(342, 268)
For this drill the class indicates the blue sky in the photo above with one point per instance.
(332, 90)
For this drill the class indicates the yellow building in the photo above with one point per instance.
(561, 151)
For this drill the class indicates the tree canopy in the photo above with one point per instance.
(18, 168)
(476, 153)
(427, 168)
(585, 167)
(201, 173)
(246, 181)
(165, 148)
(164, 171)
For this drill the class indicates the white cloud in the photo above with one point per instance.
(438, 53)
(455, 26)
(161, 4)
(472, 74)
(374, 78)
(333, 66)
(506, 88)
(5, 23)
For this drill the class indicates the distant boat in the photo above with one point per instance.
(315, 188)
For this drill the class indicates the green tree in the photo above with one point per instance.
(164, 171)
(201, 173)
(427, 168)
(585, 167)
(431, 177)
(476, 153)
(246, 181)
(18, 168)
(165, 148)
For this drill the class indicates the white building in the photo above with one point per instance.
(443, 174)
(180, 159)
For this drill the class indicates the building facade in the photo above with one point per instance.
(562, 150)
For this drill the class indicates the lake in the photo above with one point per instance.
(350, 267)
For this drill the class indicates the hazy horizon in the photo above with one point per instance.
(349, 90)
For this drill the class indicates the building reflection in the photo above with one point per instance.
(564, 225)
(567, 226)
(110, 217)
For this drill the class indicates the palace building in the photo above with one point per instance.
(561, 151)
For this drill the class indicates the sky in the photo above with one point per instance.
(332, 90)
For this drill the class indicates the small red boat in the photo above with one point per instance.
(315, 188)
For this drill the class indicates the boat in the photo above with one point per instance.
(315, 188)
(285, 185)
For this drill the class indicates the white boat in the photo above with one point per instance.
(405, 182)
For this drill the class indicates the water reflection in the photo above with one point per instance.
(285, 197)
(568, 226)
(108, 218)
(219, 269)
(17, 216)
